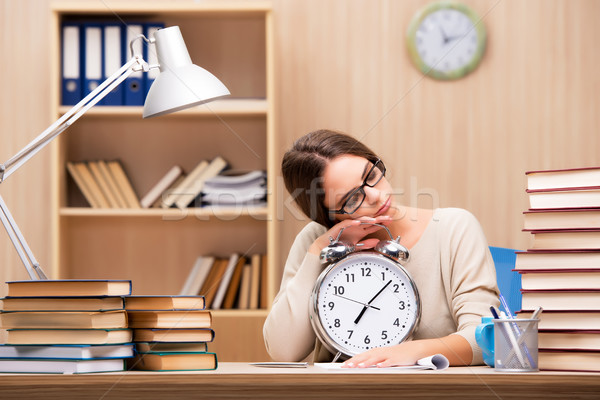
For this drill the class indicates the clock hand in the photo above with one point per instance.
(359, 302)
(370, 301)
(444, 37)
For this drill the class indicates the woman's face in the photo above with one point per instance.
(343, 175)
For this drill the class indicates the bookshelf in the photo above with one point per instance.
(156, 248)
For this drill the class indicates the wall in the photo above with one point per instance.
(342, 64)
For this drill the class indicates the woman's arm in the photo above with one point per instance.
(454, 347)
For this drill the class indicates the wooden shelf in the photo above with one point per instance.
(167, 214)
(229, 107)
(156, 248)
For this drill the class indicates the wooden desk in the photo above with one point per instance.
(241, 381)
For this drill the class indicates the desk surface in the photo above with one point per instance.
(242, 381)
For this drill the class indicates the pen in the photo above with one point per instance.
(510, 336)
(515, 328)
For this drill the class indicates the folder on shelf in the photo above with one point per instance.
(134, 93)
(92, 57)
(150, 54)
(71, 73)
(112, 48)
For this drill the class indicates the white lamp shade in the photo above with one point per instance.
(180, 84)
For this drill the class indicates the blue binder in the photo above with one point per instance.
(92, 57)
(150, 54)
(134, 92)
(112, 49)
(71, 68)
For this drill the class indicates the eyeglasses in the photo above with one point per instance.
(357, 196)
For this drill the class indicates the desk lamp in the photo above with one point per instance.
(179, 85)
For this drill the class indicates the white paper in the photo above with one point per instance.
(436, 362)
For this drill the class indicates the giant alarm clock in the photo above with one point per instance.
(364, 299)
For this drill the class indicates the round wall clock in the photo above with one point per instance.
(446, 40)
(364, 299)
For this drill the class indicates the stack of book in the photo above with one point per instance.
(65, 326)
(235, 282)
(561, 270)
(170, 333)
(104, 184)
(234, 189)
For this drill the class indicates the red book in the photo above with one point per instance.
(557, 259)
(563, 178)
(561, 299)
(571, 279)
(562, 218)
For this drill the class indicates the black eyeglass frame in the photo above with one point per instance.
(361, 189)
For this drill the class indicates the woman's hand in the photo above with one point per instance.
(354, 231)
(406, 353)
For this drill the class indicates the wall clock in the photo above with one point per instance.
(446, 40)
(364, 299)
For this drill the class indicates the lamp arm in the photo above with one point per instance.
(33, 268)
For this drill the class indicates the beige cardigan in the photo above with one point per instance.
(450, 264)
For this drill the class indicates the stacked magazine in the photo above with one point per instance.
(233, 188)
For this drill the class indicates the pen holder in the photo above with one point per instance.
(516, 345)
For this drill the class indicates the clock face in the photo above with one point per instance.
(446, 40)
(364, 301)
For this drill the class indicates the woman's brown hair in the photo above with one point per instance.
(304, 164)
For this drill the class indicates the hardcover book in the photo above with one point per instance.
(133, 303)
(170, 319)
(107, 303)
(69, 288)
(173, 335)
(563, 178)
(51, 366)
(68, 336)
(174, 361)
(63, 320)
(70, 351)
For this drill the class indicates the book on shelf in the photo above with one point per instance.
(69, 288)
(88, 194)
(169, 191)
(235, 188)
(197, 276)
(560, 279)
(163, 184)
(171, 335)
(575, 218)
(566, 319)
(126, 190)
(195, 186)
(103, 184)
(106, 303)
(63, 320)
(557, 259)
(173, 361)
(561, 299)
(171, 347)
(68, 336)
(234, 284)
(556, 199)
(566, 239)
(264, 276)
(563, 178)
(173, 303)
(568, 360)
(225, 281)
(170, 319)
(112, 184)
(569, 339)
(211, 284)
(245, 283)
(49, 366)
(172, 195)
(73, 351)
(90, 183)
(254, 293)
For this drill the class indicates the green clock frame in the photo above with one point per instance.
(412, 33)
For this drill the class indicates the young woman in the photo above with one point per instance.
(338, 183)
